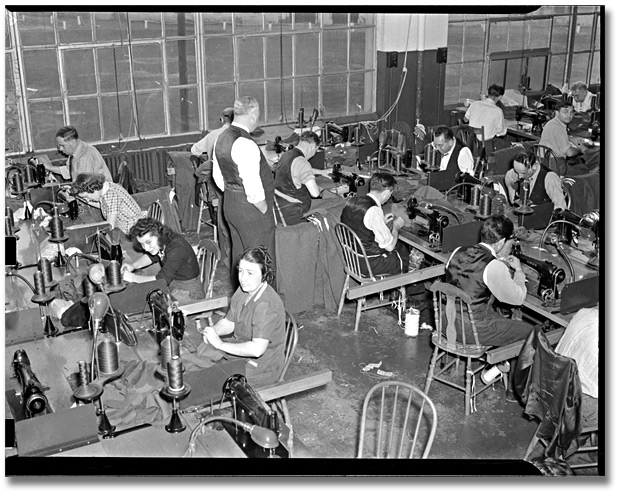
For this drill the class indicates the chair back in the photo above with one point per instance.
(290, 343)
(156, 212)
(398, 421)
(453, 317)
(469, 136)
(548, 158)
(208, 258)
(354, 253)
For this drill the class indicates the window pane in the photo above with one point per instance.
(150, 112)
(539, 33)
(455, 42)
(179, 23)
(474, 41)
(536, 72)
(335, 19)
(597, 38)
(334, 51)
(556, 71)
(111, 26)
(471, 81)
(84, 115)
(306, 95)
(579, 69)
(306, 20)
(453, 77)
(9, 82)
(335, 94)
(362, 49)
(273, 21)
(217, 23)
(307, 54)
(114, 69)
(517, 39)
(279, 101)
(595, 77)
(219, 59)
(554, 9)
(363, 19)
(360, 90)
(80, 72)
(497, 73)
(280, 56)
(41, 72)
(498, 40)
(118, 117)
(257, 91)
(516, 67)
(218, 98)
(147, 66)
(583, 32)
(145, 25)
(74, 27)
(8, 42)
(36, 28)
(183, 105)
(45, 118)
(181, 62)
(12, 135)
(559, 38)
(250, 58)
(248, 22)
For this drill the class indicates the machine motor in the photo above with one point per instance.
(431, 221)
(550, 276)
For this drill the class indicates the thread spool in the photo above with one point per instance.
(167, 353)
(30, 174)
(489, 376)
(57, 230)
(114, 273)
(9, 215)
(8, 227)
(83, 373)
(175, 374)
(45, 267)
(39, 283)
(412, 322)
(107, 355)
(485, 205)
(89, 287)
(18, 183)
(475, 197)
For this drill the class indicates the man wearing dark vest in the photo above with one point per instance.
(455, 156)
(241, 171)
(487, 271)
(545, 185)
(294, 180)
(386, 254)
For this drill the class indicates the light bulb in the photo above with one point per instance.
(98, 305)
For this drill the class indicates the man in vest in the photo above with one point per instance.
(294, 180)
(487, 271)
(545, 185)
(455, 155)
(241, 171)
(386, 254)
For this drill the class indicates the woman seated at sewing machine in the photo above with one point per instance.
(255, 320)
(179, 266)
(117, 206)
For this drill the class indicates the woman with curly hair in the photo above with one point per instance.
(254, 324)
(179, 266)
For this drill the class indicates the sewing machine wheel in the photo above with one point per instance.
(434, 238)
(547, 296)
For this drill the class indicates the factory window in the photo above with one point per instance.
(551, 45)
(129, 75)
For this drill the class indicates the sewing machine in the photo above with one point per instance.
(550, 276)
(358, 185)
(167, 317)
(538, 117)
(32, 399)
(430, 220)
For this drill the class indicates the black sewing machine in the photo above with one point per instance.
(32, 397)
(431, 221)
(249, 407)
(549, 275)
(358, 185)
(331, 128)
(538, 117)
(167, 317)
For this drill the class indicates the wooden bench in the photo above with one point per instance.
(505, 352)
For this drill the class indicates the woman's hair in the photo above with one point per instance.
(152, 226)
(87, 183)
(496, 228)
(261, 257)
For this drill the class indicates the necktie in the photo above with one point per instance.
(71, 167)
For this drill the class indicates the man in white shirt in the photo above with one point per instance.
(455, 155)
(582, 97)
(489, 115)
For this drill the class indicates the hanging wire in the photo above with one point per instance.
(133, 80)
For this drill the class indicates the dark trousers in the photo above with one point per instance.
(391, 262)
(249, 228)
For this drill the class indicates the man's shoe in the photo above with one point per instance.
(511, 396)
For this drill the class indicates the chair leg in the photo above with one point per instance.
(200, 216)
(345, 287)
(532, 444)
(431, 370)
(468, 382)
(358, 312)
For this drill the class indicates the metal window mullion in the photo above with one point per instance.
(348, 74)
(165, 86)
(200, 74)
(595, 17)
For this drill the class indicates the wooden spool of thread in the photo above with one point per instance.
(18, 183)
(39, 283)
(89, 287)
(30, 174)
(107, 355)
(114, 273)
(45, 267)
(175, 374)
(57, 228)
(9, 215)
(167, 353)
(475, 196)
(485, 205)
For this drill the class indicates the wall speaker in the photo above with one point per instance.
(392, 59)
(442, 55)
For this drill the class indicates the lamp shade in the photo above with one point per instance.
(96, 273)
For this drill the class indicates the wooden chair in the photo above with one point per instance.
(448, 301)
(290, 344)
(354, 257)
(548, 158)
(398, 421)
(205, 205)
(480, 148)
(208, 258)
(156, 212)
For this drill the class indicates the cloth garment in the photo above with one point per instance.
(489, 115)
(116, 200)
(548, 383)
(585, 193)
(292, 172)
(458, 159)
(87, 159)
(178, 261)
(545, 186)
(555, 136)
(184, 186)
(477, 271)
